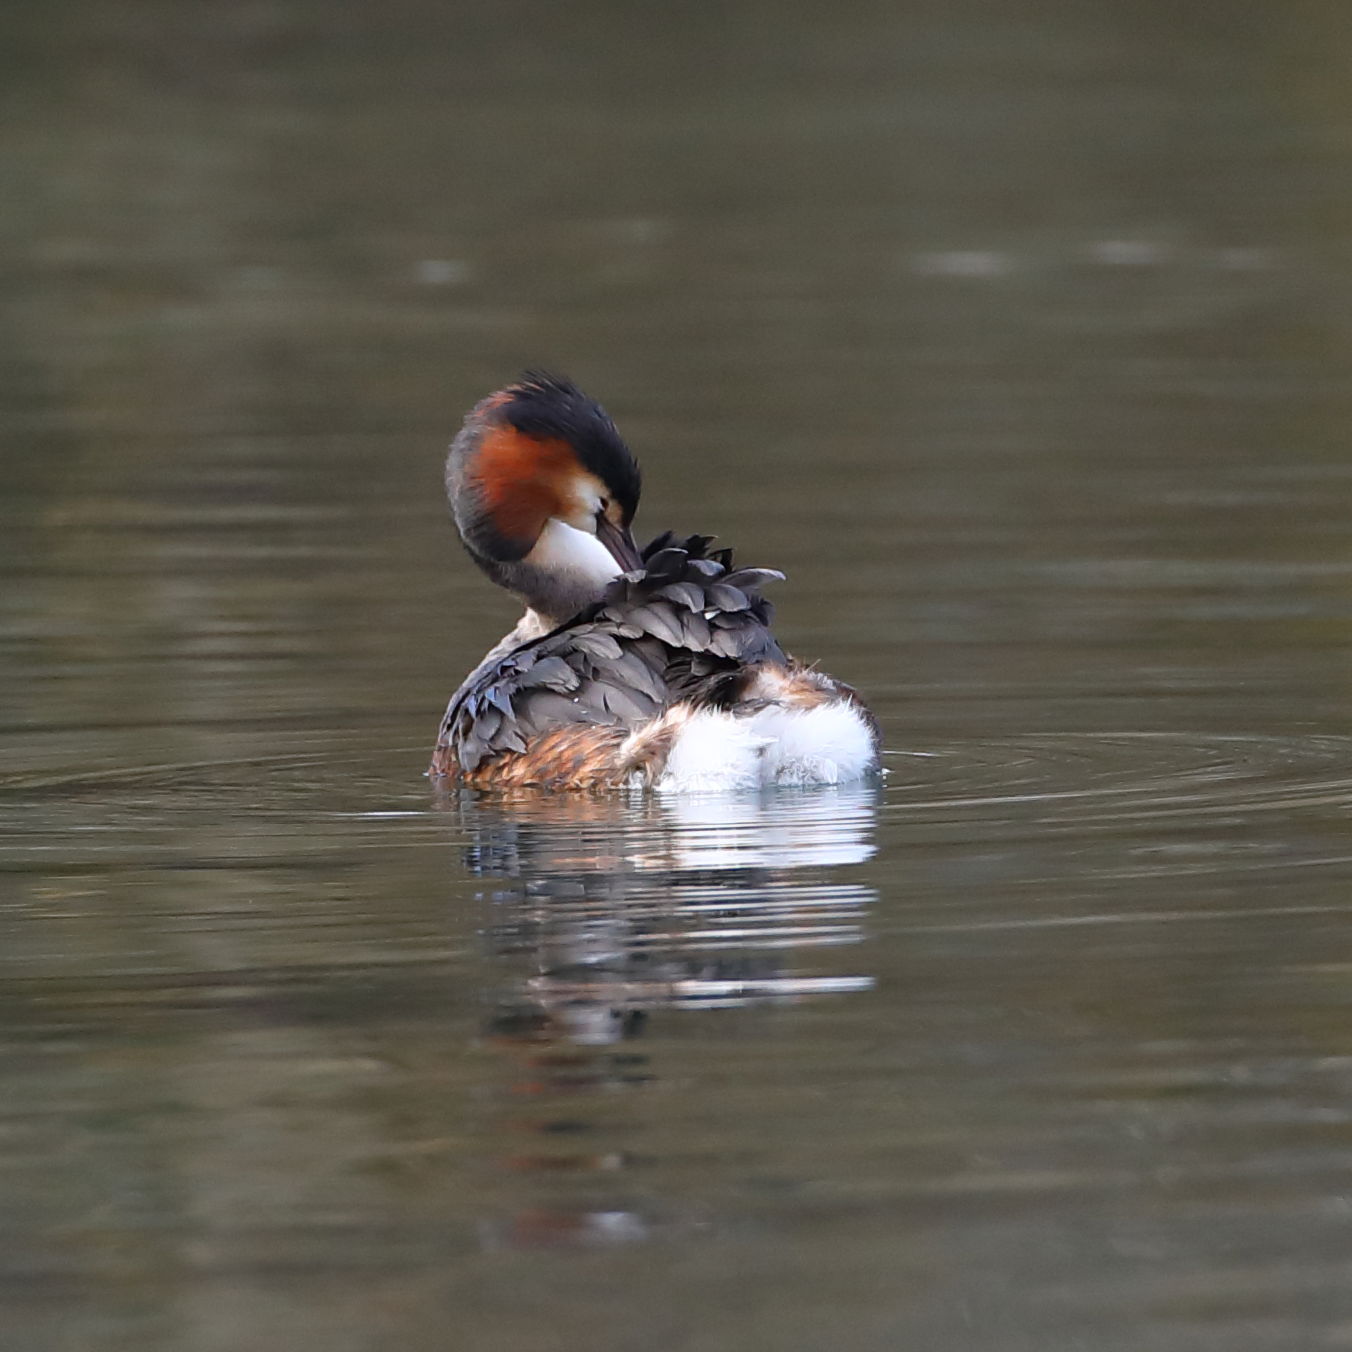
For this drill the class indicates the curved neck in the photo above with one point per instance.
(566, 571)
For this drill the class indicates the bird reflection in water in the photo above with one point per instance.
(605, 915)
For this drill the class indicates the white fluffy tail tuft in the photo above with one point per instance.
(716, 752)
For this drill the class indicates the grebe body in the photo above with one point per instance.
(656, 667)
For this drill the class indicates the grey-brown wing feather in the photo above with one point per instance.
(657, 637)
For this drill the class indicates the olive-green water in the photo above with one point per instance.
(1020, 336)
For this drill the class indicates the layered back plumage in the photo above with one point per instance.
(688, 629)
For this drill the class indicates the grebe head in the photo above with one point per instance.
(544, 491)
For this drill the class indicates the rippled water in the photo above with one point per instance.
(1015, 336)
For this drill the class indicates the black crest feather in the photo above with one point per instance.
(547, 407)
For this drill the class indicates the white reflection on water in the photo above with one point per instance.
(623, 907)
(604, 915)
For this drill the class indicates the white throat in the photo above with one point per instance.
(563, 551)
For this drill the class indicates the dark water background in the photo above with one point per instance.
(1020, 336)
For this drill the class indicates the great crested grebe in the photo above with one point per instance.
(655, 667)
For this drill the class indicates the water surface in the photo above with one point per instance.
(1015, 335)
